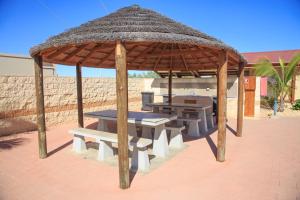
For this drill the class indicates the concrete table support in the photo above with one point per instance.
(79, 144)
(105, 150)
(140, 159)
(160, 142)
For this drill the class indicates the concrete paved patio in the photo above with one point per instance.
(263, 164)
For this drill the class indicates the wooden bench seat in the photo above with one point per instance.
(140, 158)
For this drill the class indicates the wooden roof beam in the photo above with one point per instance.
(105, 57)
(173, 53)
(89, 55)
(145, 51)
(58, 52)
(75, 52)
(158, 59)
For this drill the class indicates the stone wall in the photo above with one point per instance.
(17, 99)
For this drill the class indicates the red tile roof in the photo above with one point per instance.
(253, 57)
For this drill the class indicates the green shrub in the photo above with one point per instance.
(267, 102)
(296, 105)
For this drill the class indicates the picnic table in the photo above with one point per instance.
(147, 120)
(181, 107)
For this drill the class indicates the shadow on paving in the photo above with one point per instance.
(13, 126)
(231, 130)
(60, 148)
(11, 143)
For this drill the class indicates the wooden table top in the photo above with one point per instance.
(143, 118)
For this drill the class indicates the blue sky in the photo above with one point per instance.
(257, 25)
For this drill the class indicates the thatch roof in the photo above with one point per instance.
(153, 42)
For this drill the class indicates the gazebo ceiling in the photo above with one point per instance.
(152, 41)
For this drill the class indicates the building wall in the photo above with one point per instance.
(16, 65)
(194, 86)
(202, 86)
(17, 99)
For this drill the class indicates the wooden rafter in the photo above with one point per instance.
(75, 52)
(58, 52)
(208, 54)
(48, 52)
(94, 48)
(145, 51)
(171, 59)
(153, 49)
(172, 53)
(184, 61)
(105, 57)
(159, 57)
(132, 49)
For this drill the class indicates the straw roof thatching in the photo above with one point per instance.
(153, 42)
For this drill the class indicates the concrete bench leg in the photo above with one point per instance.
(105, 150)
(146, 132)
(176, 140)
(140, 159)
(102, 125)
(193, 129)
(132, 130)
(203, 122)
(79, 143)
(160, 143)
(210, 121)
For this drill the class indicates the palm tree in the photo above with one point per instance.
(282, 76)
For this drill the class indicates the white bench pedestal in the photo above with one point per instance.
(102, 125)
(105, 150)
(140, 159)
(160, 142)
(176, 140)
(79, 143)
(211, 121)
(193, 126)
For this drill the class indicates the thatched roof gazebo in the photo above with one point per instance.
(135, 38)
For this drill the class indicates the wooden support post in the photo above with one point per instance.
(170, 87)
(240, 108)
(79, 96)
(222, 105)
(40, 108)
(122, 114)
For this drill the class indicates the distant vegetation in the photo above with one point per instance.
(149, 74)
(281, 77)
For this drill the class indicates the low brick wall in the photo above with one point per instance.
(17, 99)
